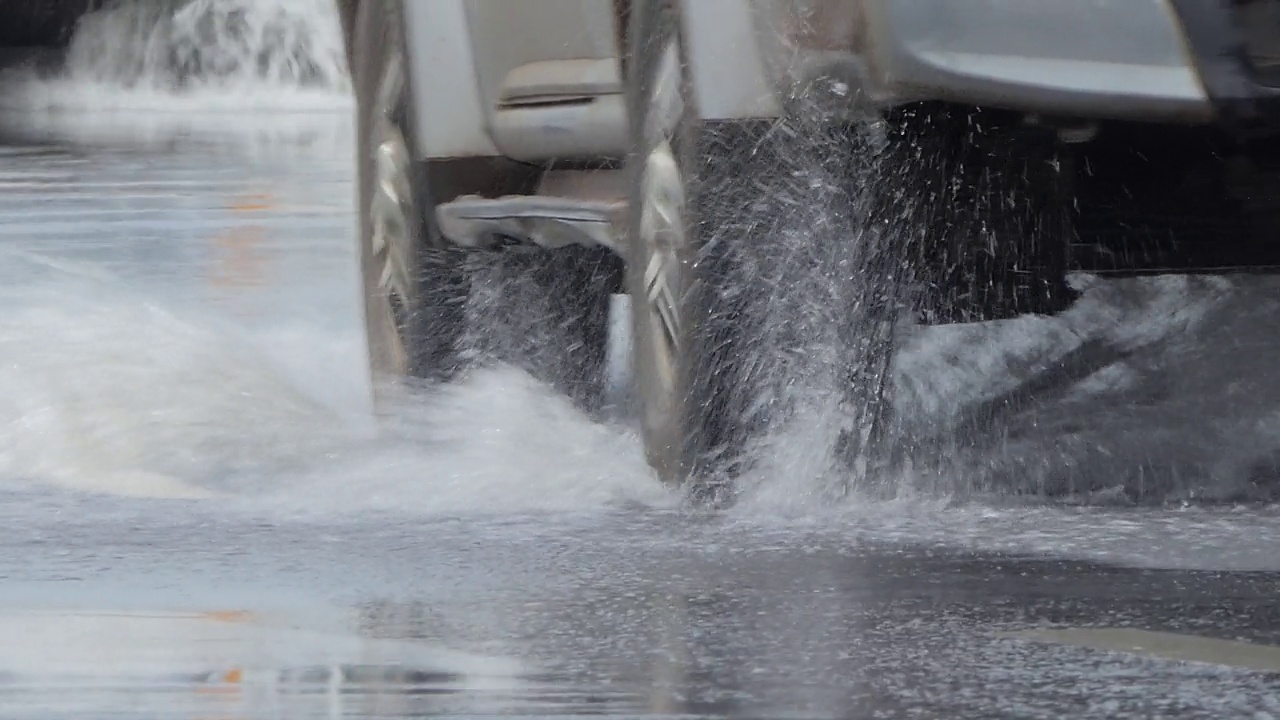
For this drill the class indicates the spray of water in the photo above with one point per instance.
(836, 237)
(815, 300)
(106, 393)
(813, 285)
(187, 44)
(198, 55)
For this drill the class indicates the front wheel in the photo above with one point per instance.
(691, 198)
(746, 278)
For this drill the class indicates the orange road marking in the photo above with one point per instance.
(228, 615)
(253, 202)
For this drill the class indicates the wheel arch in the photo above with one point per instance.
(449, 119)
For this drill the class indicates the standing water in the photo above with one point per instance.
(200, 514)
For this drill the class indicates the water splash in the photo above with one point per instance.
(198, 55)
(1131, 395)
(106, 393)
(186, 44)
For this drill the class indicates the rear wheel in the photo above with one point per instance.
(432, 309)
(414, 283)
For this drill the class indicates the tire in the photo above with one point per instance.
(756, 271)
(683, 379)
(414, 284)
(432, 309)
(919, 216)
(702, 207)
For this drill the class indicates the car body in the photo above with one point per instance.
(1076, 65)
(1012, 131)
(1176, 61)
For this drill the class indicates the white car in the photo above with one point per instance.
(951, 157)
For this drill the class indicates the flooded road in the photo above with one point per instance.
(200, 516)
(618, 614)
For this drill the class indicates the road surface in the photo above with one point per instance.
(202, 519)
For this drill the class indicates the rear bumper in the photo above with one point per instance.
(1081, 57)
(1182, 61)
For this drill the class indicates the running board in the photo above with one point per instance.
(551, 222)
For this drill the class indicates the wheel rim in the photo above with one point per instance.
(662, 237)
(390, 213)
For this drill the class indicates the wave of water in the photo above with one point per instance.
(198, 55)
(1119, 399)
(185, 324)
(1148, 405)
(105, 392)
(111, 389)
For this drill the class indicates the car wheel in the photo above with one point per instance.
(433, 309)
(688, 229)
(715, 248)
(412, 279)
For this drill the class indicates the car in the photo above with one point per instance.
(717, 162)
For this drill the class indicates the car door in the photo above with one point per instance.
(549, 76)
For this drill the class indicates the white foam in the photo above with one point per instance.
(177, 57)
(219, 46)
(102, 391)
(257, 77)
(497, 442)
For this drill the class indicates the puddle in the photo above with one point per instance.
(1164, 646)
